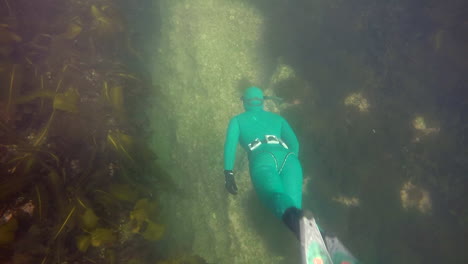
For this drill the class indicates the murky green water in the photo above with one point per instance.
(113, 117)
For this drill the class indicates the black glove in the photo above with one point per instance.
(230, 183)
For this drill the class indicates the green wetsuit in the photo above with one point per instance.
(275, 170)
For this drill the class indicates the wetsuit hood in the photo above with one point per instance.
(253, 99)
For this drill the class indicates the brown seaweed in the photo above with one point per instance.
(64, 105)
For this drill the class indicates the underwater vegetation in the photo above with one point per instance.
(74, 169)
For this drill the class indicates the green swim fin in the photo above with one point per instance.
(338, 252)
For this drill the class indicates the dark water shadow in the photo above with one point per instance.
(319, 40)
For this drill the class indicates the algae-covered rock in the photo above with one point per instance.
(357, 100)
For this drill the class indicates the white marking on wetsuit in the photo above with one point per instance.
(284, 162)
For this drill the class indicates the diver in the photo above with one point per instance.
(275, 170)
(273, 149)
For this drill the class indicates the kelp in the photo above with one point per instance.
(65, 135)
(7, 36)
(102, 237)
(42, 94)
(184, 259)
(10, 90)
(9, 8)
(74, 28)
(103, 22)
(123, 192)
(67, 101)
(121, 143)
(44, 131)
(39, 201)
(141, 219)
(64, 223)
(83, 242)
(114, 96)
(89, 219)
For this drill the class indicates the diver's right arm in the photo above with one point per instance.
(230, 146)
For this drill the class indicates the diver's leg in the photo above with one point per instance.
(267, 183)
(291, 218)
(291, 177)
